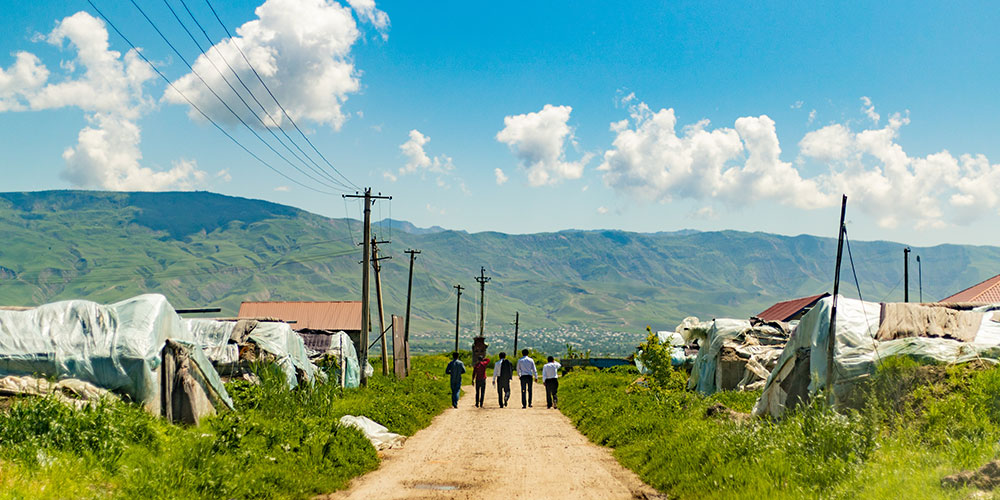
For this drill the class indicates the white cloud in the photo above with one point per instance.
(109, 89)
(501, 177)
(389, 176)
(435, 210)
(417, 159)
(869, 109)
(651, 160)
(283, 189)
(831, 142)
(797, 105)
(812, 117)
(224, 175)
(602, 210)
(539, 141)
(366, 10)
(300, 48)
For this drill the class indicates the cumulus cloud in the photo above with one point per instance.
(869, 109)
(300, 48)
(501, 177)
(538, 140)
(602, 210)
(417, 159)
(650, 159)
(108, 86)
(895, 187)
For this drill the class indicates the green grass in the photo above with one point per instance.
(908, 430)
(277, 444)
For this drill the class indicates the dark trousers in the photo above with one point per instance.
(527, 381)
(551, 391)
(503, 391)
(456, 390)
(480, 391)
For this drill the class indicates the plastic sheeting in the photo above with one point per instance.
(278, 339)
(857, 353)
(116, 347)
(346, 358)
(379, 435)
(734, 353)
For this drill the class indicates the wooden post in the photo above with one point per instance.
(831, 338)
(517, 317)
(458, 312)
(378, 299)
(409, 293)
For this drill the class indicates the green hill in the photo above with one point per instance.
(205, 249)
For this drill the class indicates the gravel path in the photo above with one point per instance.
(495, 452)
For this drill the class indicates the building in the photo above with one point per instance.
(987, 292)
(790, 309)
(315, 322)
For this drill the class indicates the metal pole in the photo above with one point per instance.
(458, 311)
(831, 337)
(517, 317)
(920, 280)
(906, 274)
(409, 293)
(365, 262)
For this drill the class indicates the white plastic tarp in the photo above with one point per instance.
(720, 331)
(342, 350)
(116, 347)
(856, 352)
(276, 338)
(378, 434)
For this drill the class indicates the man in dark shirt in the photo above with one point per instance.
(455, 368)
(503, 371)
(479, 376)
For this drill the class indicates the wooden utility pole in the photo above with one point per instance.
(378, 298)
(920, 280)
(409, 293)
(365, 320)
(831, 337)
(482, 279)
(458, 311)
(517, 317)
(906, 274)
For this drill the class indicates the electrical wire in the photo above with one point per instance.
(220, 99)
(315, 166)
(283, 111)
(857, 283)
(196, 107)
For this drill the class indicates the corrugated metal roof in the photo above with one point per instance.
(784, 310)
(987, 292)
(329, 315)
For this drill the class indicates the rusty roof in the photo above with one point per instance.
(329, 315)
(784, 310)
(987, 292)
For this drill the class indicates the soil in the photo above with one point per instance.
(493, 452)
(986, 478)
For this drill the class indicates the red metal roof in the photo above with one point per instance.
(330, 315)
(784, 310)
(987, 292)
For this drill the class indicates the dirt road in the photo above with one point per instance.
(495, 452)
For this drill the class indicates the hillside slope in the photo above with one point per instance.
(205, 249)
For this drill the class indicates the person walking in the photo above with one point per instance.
(527, 372)
(455, 368)
(550, 377)
(479, 378)
(503, 371)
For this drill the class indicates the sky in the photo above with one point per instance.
(522, 117)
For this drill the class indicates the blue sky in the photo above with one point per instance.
(644, 116)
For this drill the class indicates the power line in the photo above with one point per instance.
(316, 168)
(283, 111)
(221, 100)
(195, 106)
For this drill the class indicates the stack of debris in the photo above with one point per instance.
(734, 354)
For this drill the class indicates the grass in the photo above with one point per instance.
(277, 444)
(909, 427)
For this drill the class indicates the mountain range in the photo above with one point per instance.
(204, 249)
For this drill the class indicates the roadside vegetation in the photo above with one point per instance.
(906, 428)
(277, 444)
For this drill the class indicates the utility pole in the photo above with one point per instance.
(458, 311)
(831, 337)
(517, 317)
(482, 279)
(920, 280)
(906, 274)
(378, 298)
(409, 293)
(365, 320)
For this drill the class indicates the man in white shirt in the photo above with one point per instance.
(527, 373)
(550, 377)
(503, 372)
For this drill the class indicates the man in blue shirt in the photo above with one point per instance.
(455, 368)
